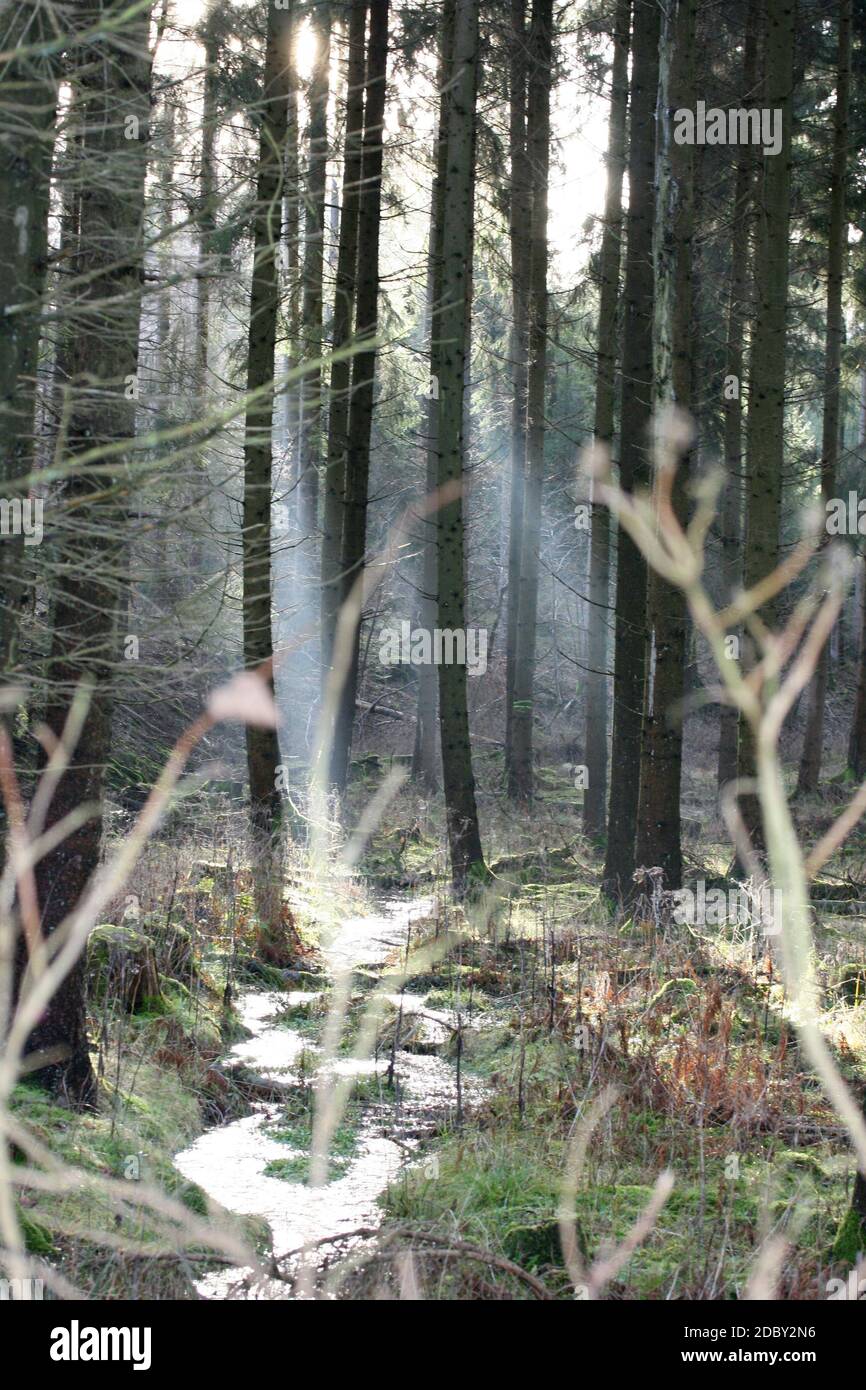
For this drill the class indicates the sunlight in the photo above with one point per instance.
(577, 188)
(305, 51)
(189, 13)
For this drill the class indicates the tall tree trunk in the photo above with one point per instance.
(520, 780)
(857, 734)
(658, 826)
(165, 134)
(426, 755)
(287, 414)
(311, 424)
(765, 439)
(354, 538)
(837, 240)
(263, 754)
(732, 504)
(341, 329)
(635, 414)
(292, 244)
(857, 737)
(597, 685)
(104, 302)
(464, 838)
(67, 158)
(26, 143)
(207, 203)
(519, 214)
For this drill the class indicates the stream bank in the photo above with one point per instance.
(403, 1095)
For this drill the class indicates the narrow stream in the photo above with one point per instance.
(228, 1162)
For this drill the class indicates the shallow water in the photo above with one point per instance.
(228, 1162)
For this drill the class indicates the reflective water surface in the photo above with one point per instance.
(228, 1162)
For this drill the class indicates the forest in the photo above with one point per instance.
(433, 644)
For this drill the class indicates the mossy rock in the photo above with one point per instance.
(189, 1026)
(121, 963)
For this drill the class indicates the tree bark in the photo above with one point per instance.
(765, 440)
(857, 738)
(26, 145)
(354, 538)
(464, 838)
(311, 441)
(341, 330)
(288, 403)
(813, 740)
(635, 414)
(207, 204)
(426, 754)
(732, 504)
(263, 754)
(104, 304)
(597, 684)
(520, 779)
(520, 212)
(658, 825)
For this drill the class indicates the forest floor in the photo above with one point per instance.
(691, 1026)
(531, 1003)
